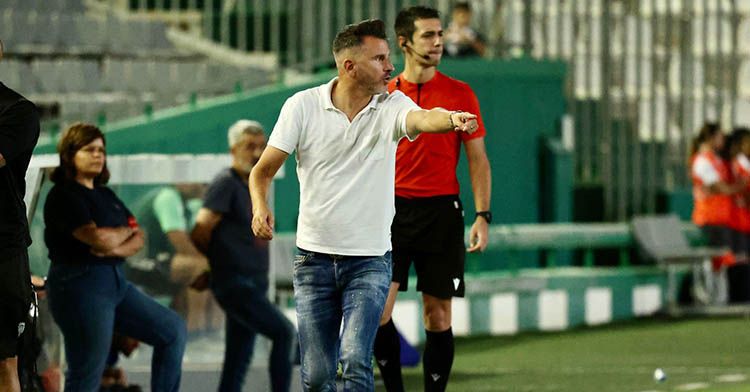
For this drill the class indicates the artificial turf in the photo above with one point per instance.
(693, 352)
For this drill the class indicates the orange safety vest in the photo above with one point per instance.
(711, 209)
(742, 210)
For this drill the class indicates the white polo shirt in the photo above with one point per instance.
(346, 170)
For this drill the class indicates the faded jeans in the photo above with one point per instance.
(329, 289)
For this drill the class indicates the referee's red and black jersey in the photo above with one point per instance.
(426, 167)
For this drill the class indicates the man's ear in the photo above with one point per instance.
(349, 65)
(402, 42)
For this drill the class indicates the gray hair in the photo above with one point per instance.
(243, 127)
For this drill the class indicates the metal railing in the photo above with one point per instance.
(300, 32)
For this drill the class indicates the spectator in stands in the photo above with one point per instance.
(239, 266)
(171, 263)
(462, 40)
(19, 131)
(713, 191)
(428, 228)
(345, 133)
(89, 232)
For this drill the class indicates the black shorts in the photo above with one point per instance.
(430, 232)
(15, 299)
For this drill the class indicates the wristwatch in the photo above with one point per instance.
(487, 215)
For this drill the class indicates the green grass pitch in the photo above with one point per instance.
(696, 354)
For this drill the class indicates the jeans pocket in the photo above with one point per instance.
(301, 258)
(387, 259)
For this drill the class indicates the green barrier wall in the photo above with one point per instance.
(521, 101)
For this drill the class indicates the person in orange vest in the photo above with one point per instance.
(713, 193)
(739, 275)
(739, 154)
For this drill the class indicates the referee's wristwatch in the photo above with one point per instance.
(487, 215)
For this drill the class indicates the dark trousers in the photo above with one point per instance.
(248, 313)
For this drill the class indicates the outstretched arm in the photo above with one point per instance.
(259, 182)
(438, 120)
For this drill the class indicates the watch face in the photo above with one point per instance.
(487, 215)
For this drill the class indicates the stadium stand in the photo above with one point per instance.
(80, 62)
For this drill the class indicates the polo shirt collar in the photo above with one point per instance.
(327, 103)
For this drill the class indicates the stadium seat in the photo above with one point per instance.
(82, 75)
(661, 239)
(10, 73)
(7, 26)
(113, 75)
(24, 29)
(47, 76)
(141, 76)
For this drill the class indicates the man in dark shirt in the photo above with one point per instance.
(239, 266)
(19, 131)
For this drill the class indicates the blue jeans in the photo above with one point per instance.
(327, 289)
(249, 312)
(89, 302)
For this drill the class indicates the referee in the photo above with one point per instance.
(428, 228)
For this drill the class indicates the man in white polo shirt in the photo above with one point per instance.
(345, 134)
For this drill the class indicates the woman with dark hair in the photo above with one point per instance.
(713, 193)
(89, 232)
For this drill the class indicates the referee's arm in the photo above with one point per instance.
(481, 185)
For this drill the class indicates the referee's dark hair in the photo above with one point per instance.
(75, 138)
(353, 35)
(406, 17)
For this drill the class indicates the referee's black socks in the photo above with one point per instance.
(388, 356)
(438, 359)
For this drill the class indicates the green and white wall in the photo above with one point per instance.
(539, 300)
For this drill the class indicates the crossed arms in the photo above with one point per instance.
(121, 241)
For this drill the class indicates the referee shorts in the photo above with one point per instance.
(429, 232)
